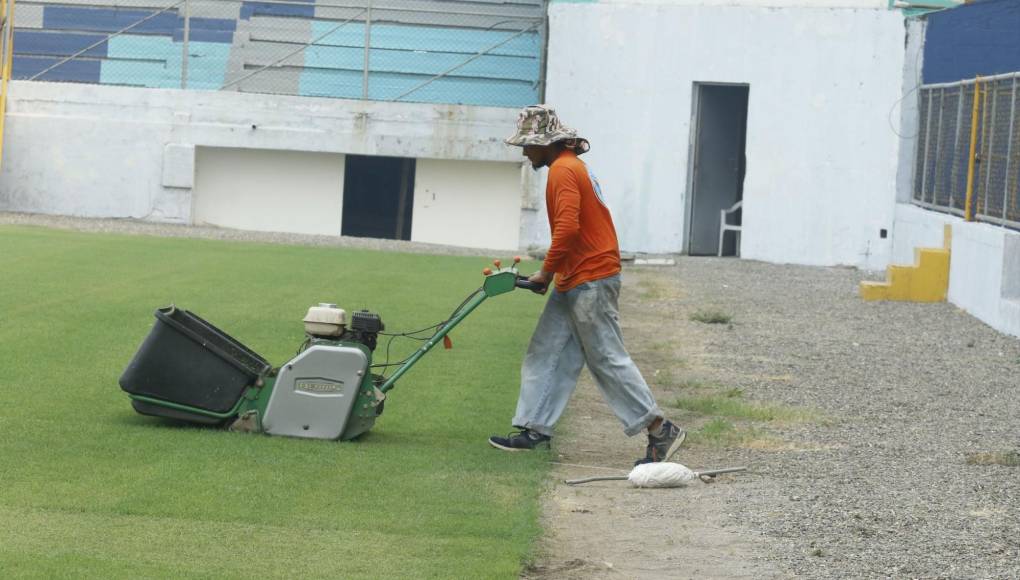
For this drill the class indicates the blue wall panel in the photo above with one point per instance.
(974, 39)
(155, 62)
(207, 30)
(107, 19)
(402, 55)
(331, 83)
(205, 35)
(224, 24)
(431, 38)
(422, 63)
(463, 91)
(110, 20)
(80, 71)
(38, 42)
(249, 9)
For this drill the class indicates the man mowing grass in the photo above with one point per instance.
(580, 324)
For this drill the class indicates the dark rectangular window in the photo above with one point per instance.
(378, 197)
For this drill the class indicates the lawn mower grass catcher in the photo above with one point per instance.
(189, 370)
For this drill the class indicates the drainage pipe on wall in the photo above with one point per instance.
(967, 210)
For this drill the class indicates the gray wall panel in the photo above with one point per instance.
(215, 9)
(28, 16)
(256, 53)
(274, 81)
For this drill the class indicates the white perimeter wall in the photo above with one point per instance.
(984, 270)
(476, 204)
(821, 154)
(99, 151)
(907, 109)
(276, 191)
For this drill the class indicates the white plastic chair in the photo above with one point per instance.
(725, 227)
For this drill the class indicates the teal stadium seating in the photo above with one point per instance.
(412, 41)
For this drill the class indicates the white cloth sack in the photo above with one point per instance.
(661, 475)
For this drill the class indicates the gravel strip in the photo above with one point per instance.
(881, 488)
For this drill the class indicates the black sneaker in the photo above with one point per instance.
(523, 440)
(663, 447)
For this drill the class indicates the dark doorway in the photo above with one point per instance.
(717, 166)
(378, 197)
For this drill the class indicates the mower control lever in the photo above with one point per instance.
(523, 282)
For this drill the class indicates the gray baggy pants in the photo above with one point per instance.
(577, 327)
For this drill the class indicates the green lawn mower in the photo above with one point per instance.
(189, 370)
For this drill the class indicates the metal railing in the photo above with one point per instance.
(449, 51)
(968, 156)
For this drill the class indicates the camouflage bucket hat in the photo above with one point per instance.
(539, 125)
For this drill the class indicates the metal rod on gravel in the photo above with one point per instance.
(699, 474)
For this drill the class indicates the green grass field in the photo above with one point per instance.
(88, 488)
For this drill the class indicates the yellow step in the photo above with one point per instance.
(875, 291)
(926, 281)
(931, 280)
(931, 258)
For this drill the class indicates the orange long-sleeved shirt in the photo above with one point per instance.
(584, 244)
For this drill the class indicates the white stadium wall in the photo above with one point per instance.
(100, 151)
(822, 147)
(822, 152)
(467, 203)
(268, 190)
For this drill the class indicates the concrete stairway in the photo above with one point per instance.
(925, 281)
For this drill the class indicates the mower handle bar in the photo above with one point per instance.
(473, 301)
(523, 282)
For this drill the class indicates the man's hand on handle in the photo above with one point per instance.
(542, 277)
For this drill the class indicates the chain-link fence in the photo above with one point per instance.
(968, 159)
(477, 52)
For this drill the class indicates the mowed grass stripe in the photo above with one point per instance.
(420, 495)
(130, 544)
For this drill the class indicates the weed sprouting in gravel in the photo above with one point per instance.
(655, 289)
(664, 346)
(668, 378)
(693, 385)
(719, 432)
(729, 404)
(711, 317)
(1006, 458)
(716, 429)
(731, 419)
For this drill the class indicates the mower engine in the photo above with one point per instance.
(327, 322)
(327, 391)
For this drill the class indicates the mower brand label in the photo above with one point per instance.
(319, 387)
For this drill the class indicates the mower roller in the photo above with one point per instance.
(189, 370)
